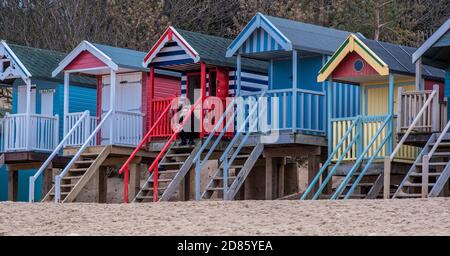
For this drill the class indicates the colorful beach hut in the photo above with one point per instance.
(208, 78)
(370, 148)
(98, 140)
(34, 128)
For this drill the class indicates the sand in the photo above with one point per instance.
(353, 217)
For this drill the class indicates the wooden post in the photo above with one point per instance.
(238, 75)
(28, 115)
(112, 106)
(425, 170)
(47, 177)
(435, 122)
(135, 179)
(102, 185)
(281, 174)
(13, 183)
(269, 178)
(329, 116)
(202, 94)
(313, 168)
(418, 74)
(66, 102)
(294, 90)
(387, 178)
(390, 143)
(400, 111)
(151, 94)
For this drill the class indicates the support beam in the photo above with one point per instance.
(151, 96)
(112, 106)
(238, 75)
(269, 178)
(66, 102)
(281, 175)
(102, 185)
(202, 94)
(135, 179)
(329, 115)
(418, 74)
(390, 145)
(47, 177)
(294, 90)
(387, 178)
(28, 115)
(13, 184)
(313, 168)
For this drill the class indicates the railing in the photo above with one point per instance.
(345, 144)
(154, 167)
(82, 131)
(159, 120)
(128, 127)
(368, 127)
(309, 110)
(79, 123)
(421, 108)
(42, 132)
(426, 161)
(2, 135)
(228, 117)
(87, 143)
(371, 151)
(163, 128)
(416, 110)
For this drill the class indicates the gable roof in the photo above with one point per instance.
(205, 48)
(425, 49)
(383, 57)
(39, 63)
(297, 35)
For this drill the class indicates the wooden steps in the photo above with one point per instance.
(79, 175)
(438, 171)
(172, 168)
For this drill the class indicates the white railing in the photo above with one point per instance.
(82, 131)
(86, 143)
(42, 132)
(74, 128)
(128, 127)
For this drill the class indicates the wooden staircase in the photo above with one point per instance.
(80, 173)
(369, 187)
(172, 168)
(439, 170)
(235, 174)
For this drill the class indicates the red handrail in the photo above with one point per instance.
(136, 150)
(154, 166)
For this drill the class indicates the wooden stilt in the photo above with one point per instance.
(269, 178)
(13, 182)
(313, 168)
(47, 177)
(281, 175)
(102, 185)
(135, 180)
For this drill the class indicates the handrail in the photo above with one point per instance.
(241, 129)
(155, 164)
(77, 155)
(131, 113)
(52, 155)
(439, 140)
(360, 159)
(125, 166)
(366, 168)
(411, 127)
(328, 162)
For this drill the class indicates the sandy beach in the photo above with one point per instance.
(353, 217)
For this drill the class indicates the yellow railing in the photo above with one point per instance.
(369, 126)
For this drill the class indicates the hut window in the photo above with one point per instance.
(359, 65)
